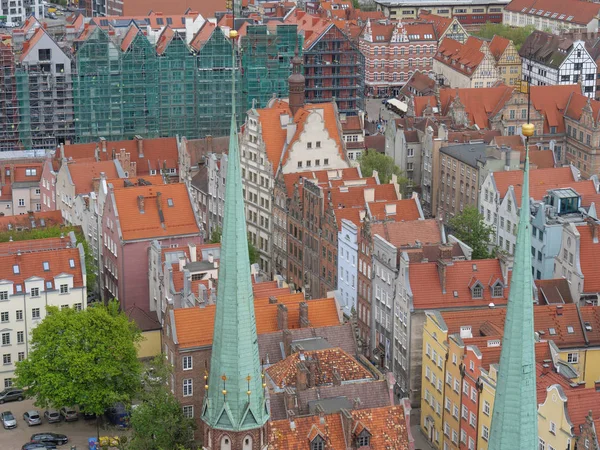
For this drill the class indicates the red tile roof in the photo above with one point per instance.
(403, 234)
(462, 58)
(312, 26)
(20, 172)
(30, 43)
(164, 40)
(31, 255)
(155, 222)
(323, 177)
(552, 102)
(426, 286)
(555, 291)
(195, 326)
(84, 174)
(498, 46)
(397, 211)
(386, 426)
(589, 258)
(203, 35)
(49, 218)
(354, 215)
(354, 196)
(273, 135)
(440, 23)
(173, 7)
(582, 12)
(131, 34)
(578, 102)
(284, 373)
(591, 316)
(580, 403)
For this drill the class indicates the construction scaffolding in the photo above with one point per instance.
(9, 112)
(266, 61)
(177, 79)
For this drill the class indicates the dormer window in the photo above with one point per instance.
(318, 443)
(477, 290)
(46, 265)
(497, 290)
(363, 439)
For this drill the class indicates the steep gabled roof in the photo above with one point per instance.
(589, 257)
(403, 234)
(83, 174)
(460, 57)
(498, 46)
(552, 102)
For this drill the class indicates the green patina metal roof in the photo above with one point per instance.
(514, 421)
(235, 363)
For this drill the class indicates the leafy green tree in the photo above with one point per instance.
(252, 252)
(215, 237)
(384, 165)
(517, 35)
(470, 228)
(158, 423)
(86, 358)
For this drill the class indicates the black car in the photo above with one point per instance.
(11, 394)
(49, 438)
(38, 446)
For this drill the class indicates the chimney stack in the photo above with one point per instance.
(140, 146)
(446, 251)
(304, 323)
(282, 316)
(12, 173)
(347, 426)
(441, 266)
(287, 342)
(193, 252)
(301, 376)
(103, 144)
(337, 378)
(181, 263)
(211, 258)
(272, 300)
(141, 203)
(559, 310)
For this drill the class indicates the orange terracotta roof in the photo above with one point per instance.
(397, 211)
(582, 12)
(547, 377)
(49, 218)
(329, 360)
(195, 326)
(462, 58)
(354, 215)
(354, 196)
(164, 40)
(581, 403)
(312, 26)
(460, 277)
(173, 7)
(122, 183)
(591, 316)
(30, 43)
(555, 291)
(176, 220)
(203, 35)
(131, 34)
(440, 23)
(540, 181)
(498, 46)
(84, 174)
(589, 258)
(578, 102)
(480, 103)
(31, 255)
(352, 123)
(21, 174)
(552, 102)
(403, 234)
(322, 177)
(273, 135)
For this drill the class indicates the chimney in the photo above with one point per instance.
(337, 378)
(181, 263)
(312, 372)
(282, 316)
(301, 376)
(441, 266)
(193, 253)
(3, 175)
(594, 229)
(369, 195)
(272, 300)
(304, 323)
(141, 203)
(347, 426)
(12, 173)
(559, 310)
(161, 215)
(103, 144)
(597, 385)
(291, 401)
(211, 258)
(140, 146)
(446, 251)
(287, 342)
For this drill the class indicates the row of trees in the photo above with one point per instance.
(89, 358)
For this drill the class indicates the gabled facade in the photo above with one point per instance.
(507, 59)
(444, 26)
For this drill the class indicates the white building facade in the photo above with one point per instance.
(347, 267)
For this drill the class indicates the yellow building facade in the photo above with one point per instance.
(586, 361)
(554, 425)
(509, 65)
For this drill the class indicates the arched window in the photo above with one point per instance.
(225, 443)
(247, 443)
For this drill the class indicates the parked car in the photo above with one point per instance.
(32, 418)
(10, 395)
(8, 420)
(118, 415)
(38, 446)
(69, 414)
(52, 416)
(50, 438)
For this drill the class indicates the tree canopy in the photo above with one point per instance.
(217, 234)
(383, 164)
(159, 423)
(470, 228)
(517, 35)
(86, 358)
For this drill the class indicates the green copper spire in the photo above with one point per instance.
(235, 398)
(514, 422)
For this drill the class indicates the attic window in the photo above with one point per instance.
(160, 21)
(477, 291)
(46, 265)
(16, 269)
(497, 290)
(570, 330)
(317, 443)
(48, 284)
(30, 172)
(72, 263)
(552, 331)
(170, 202)
(569, 18)
(455, 293)
(474, 267)
(19, 288)
(363, 439)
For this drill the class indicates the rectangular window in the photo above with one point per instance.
(573, 358)
(21, 356)
(188, 411)
(35, 292)
(187, 363)
(64, 288)
(486, 407)
(35, 313)
(20, 337)
(5, 338)
(485, 433)
(4, 316)
(3, 295)
(188, 389)
(77, 306)
(6, 359)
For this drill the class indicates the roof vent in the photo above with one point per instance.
(492, 306)
(466, 332)
(588, 326)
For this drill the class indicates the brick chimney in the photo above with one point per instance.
(12, 173)
(140, 146)
(304, 323)
(337, 378)
(559, 310)
(347, 423)
(282, 316)
(446, 251)
(312, 372)
(302, 376)
(287, 342)
(140, 200)
(291, 400)
(442, 269)
(594, 230)
(272, 300)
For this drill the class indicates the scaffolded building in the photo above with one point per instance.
(266, 60)
(9, 112)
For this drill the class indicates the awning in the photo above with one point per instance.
(400, 106)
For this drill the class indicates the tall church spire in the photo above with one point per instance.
(514, 421)
(235, 395)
